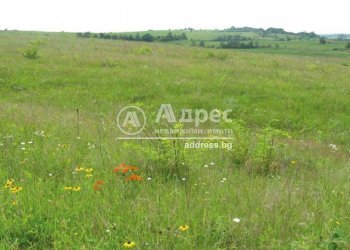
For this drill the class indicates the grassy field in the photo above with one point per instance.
(284, 185)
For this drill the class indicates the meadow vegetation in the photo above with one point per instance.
(69, 183)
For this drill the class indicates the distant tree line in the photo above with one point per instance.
(236, 42)
(148, 37)
(231, 37)
(272, 32)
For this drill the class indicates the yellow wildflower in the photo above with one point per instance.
(184, 228)
(9, 183)
(129, 244)
(79, 169)
(88, 175)
(89, 170)
(76, 189)
(293, 162)
(68, 188)
(16, 189)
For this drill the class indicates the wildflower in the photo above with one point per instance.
(98, 184)
(184, 228)
(89, 170)
(79, 169)
(293, 162)
(40, 133)
(68, 188)
(129, 244)
(149, 178)
(76, 188)
(125, 168)
(206, 166)
(134, 177)
(50, 174)
(119, 167)
(129, 168)
(88, 175)
(183, 179)
(15, 190)
(333, 147)
(212, 164)
(338, 223)
(236, 220)
(9, 183)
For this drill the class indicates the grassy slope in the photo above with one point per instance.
(293, 47)
(306, 96)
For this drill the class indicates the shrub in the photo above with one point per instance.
(322, 40)
(162, 157)
(265, 151)
(241, 142)
(347, 46)
(31, 52)
(256, 151)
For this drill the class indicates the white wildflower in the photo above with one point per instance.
(236, 220)
(333, 147)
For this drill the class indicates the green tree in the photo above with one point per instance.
(147, 37)
(183, 36)
(322, 40)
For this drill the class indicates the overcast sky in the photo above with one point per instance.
(136, 15)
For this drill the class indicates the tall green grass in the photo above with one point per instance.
(282, 180)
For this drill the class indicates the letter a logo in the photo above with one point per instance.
(131, 120)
